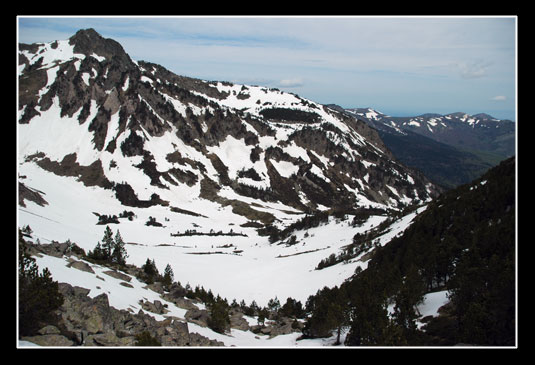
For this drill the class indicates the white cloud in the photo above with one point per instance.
(473, 70)
(291, 82)
(499, 98)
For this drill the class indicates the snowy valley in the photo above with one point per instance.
(241, 190)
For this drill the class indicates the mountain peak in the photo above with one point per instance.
(483, 116)
(89, 42)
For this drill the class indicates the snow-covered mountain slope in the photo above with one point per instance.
(177, 160)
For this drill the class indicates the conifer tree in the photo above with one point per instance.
(97, 253)
(150, 270)
(219, 317)
(107, 243)
(119, 254)
(168, 276)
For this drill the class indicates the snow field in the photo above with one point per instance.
(261, 271)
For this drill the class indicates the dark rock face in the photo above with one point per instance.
(88, 42)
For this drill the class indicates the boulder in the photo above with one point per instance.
(109, 339)
(237, 321)
(49, 340)
(155, 287)
(155, 307)
(118, 275)
(49, 330)
(183, 303)
(176, 333)
(198, 340)
(80, 265)
(198, 316)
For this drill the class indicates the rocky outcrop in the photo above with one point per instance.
(85, 321)
(81, 265)
(26, 193)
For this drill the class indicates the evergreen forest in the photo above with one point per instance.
(464, 242)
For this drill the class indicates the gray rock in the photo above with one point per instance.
(237, 321)
(155, 307)
(109, 339)
(156, 287)
(118, 275)
(80, 265)
(93, 322)
(49, 340)
(49, 330)
(198, 316)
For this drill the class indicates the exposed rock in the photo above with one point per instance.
(92, 322)
(198, 316)
(49, 340)
(109, 339)
(26, 193)
(49, 330)
(89, 42)
(80, 265)
(155, 307)
(118, 275)
(55, 249)
(156, 287)
(237, 321)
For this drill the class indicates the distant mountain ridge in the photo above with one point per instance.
(450, 149)
(479, 132)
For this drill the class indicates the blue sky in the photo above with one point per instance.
(401, 66)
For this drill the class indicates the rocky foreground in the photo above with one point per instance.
(86, 321)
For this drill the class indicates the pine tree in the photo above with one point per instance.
(119, 254)
(262, 315)
(97, 254)
(107, 244)
(168, 276)
(368, 312)
(274, 304)
(111, 251)
(150, 270)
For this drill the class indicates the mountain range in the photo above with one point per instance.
(451, 149)
(241, 189)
